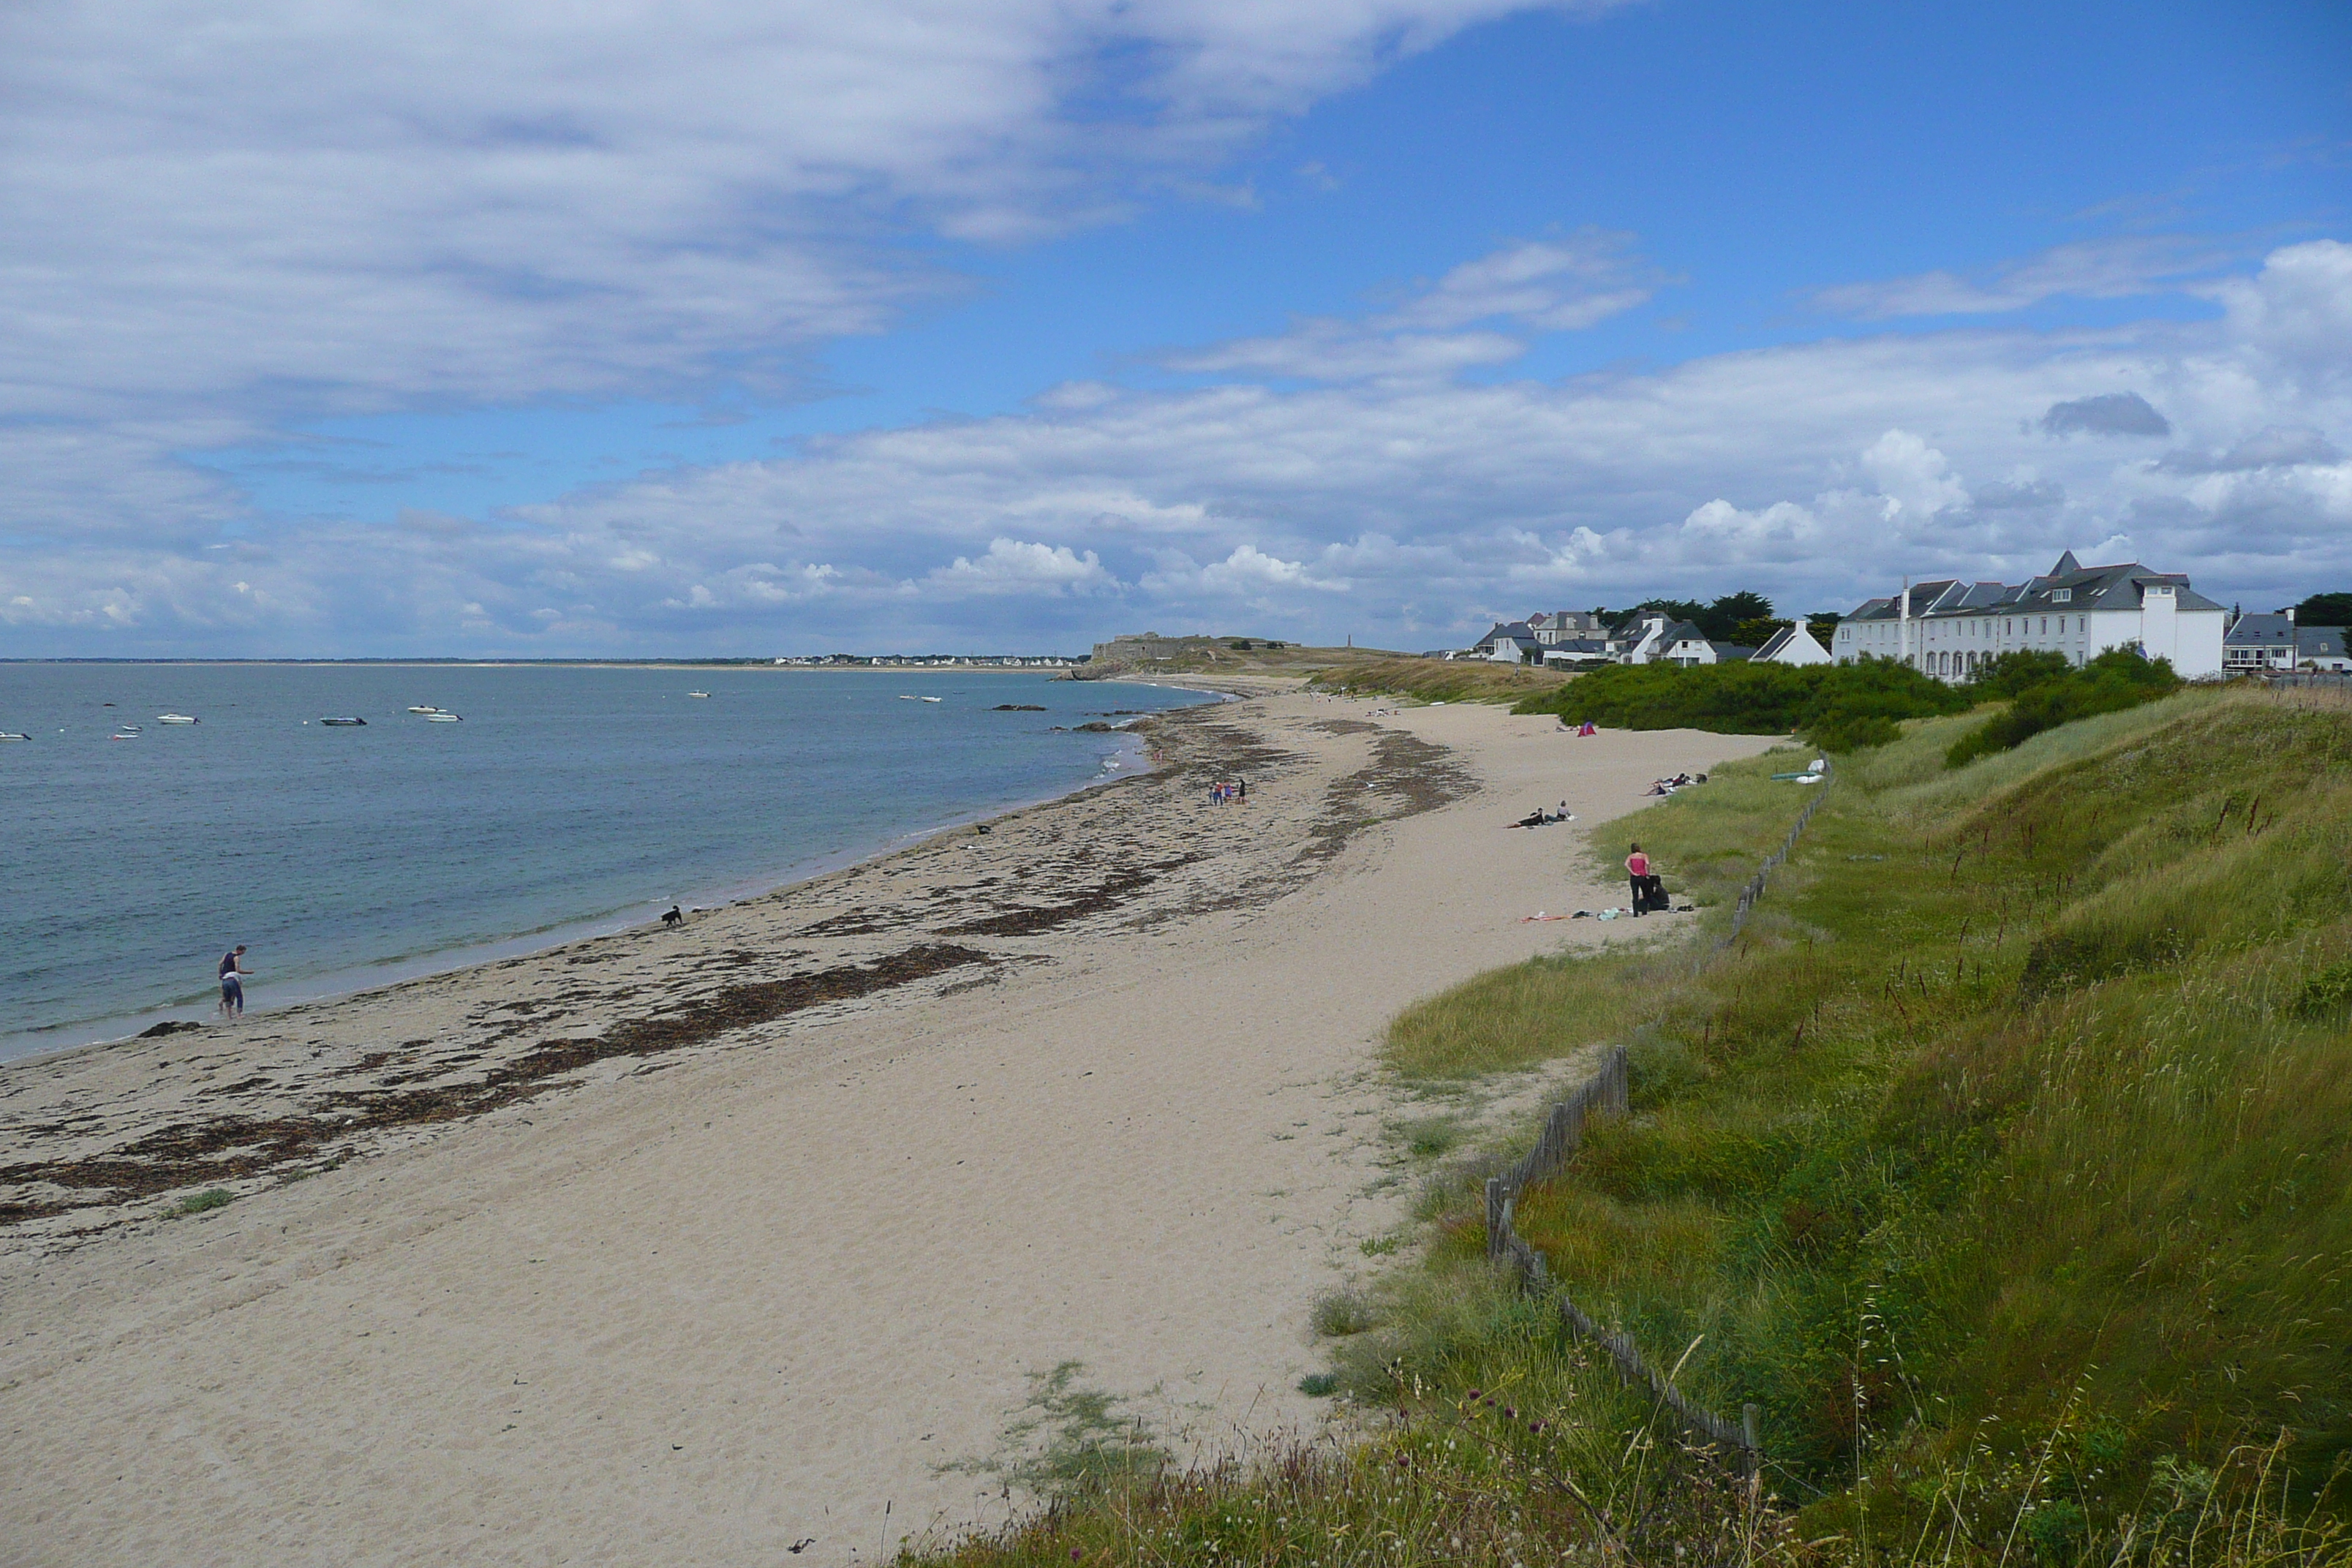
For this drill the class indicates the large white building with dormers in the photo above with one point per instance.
(1948, 628)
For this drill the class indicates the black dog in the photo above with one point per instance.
(674, 917)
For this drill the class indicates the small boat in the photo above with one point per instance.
(14, 735)
(442, 716)
(346, 722)
(173, 719)
(423, 707)
(697, 694)
(908, 697)
(934, 698)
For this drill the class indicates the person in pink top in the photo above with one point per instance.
(1637, 868)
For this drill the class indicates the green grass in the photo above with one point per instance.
(2006, 1164)
(204, 1202)
(2045, 1109)
(1440, 680)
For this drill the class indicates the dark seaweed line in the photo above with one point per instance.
(188, 1155)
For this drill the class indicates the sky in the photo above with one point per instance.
(741, 329)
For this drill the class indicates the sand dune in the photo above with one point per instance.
(760, 1281)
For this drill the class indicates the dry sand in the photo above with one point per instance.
(688, 1247)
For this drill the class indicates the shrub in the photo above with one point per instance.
(1840, 707)
(2045, 692)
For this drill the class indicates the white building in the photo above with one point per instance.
(1948, 628)
(1793, 644)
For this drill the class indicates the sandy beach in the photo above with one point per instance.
(714, 1245)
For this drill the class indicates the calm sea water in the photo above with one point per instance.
(568, 801)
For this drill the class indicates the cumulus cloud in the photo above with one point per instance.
(1408, 507)
(1012, 566)
(2106, 413)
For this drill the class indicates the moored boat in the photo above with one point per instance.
(697, 694)
(423, 707)
(442, 716)
(14, 735)
(175, 719)
(346, 722)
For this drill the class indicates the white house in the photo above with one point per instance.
(1556, 626)
(1509, 643)
(1793, 644)
(2255, 644)
(1948, 628)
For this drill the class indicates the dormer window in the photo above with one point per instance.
(2062, 596)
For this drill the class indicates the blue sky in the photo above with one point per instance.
(779, 334)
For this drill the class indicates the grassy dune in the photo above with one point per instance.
(1442, 681)
(2006, 1164)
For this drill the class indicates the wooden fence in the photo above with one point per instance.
(1563, 1133)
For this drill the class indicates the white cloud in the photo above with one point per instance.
(1523, 288)
(1912, 475)
(1406, 507)
(2089, 269)
(1012, 566)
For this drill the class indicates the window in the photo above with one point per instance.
(2062, 596)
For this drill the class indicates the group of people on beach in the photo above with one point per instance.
(1228, 792)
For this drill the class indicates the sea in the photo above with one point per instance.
(568, 801)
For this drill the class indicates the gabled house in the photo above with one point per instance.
(1509, 643)
(1554, 627)
(2255, 645)
(1793, 644)
(1948, 628)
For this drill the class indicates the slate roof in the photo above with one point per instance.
(2119, 587)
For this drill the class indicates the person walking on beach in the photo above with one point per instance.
(1637, 866)
(232, 978)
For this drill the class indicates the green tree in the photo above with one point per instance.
(2325, 610)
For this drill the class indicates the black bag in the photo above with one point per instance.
(1653, 896)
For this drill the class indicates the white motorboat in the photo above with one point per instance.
(14, 735)
(908, 697)
(697, 694)
(173, 719)
(423, 707)
(442, 716)
(934, 698)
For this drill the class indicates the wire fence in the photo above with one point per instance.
(1608, 1091)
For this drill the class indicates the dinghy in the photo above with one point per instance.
(442, 716)
(345, 722)
(173, 719)
(423, 707)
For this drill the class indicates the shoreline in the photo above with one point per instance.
(40, 1044)
(766, 1232)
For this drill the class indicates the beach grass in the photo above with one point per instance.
(2005, 1163)
(1440, 679)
